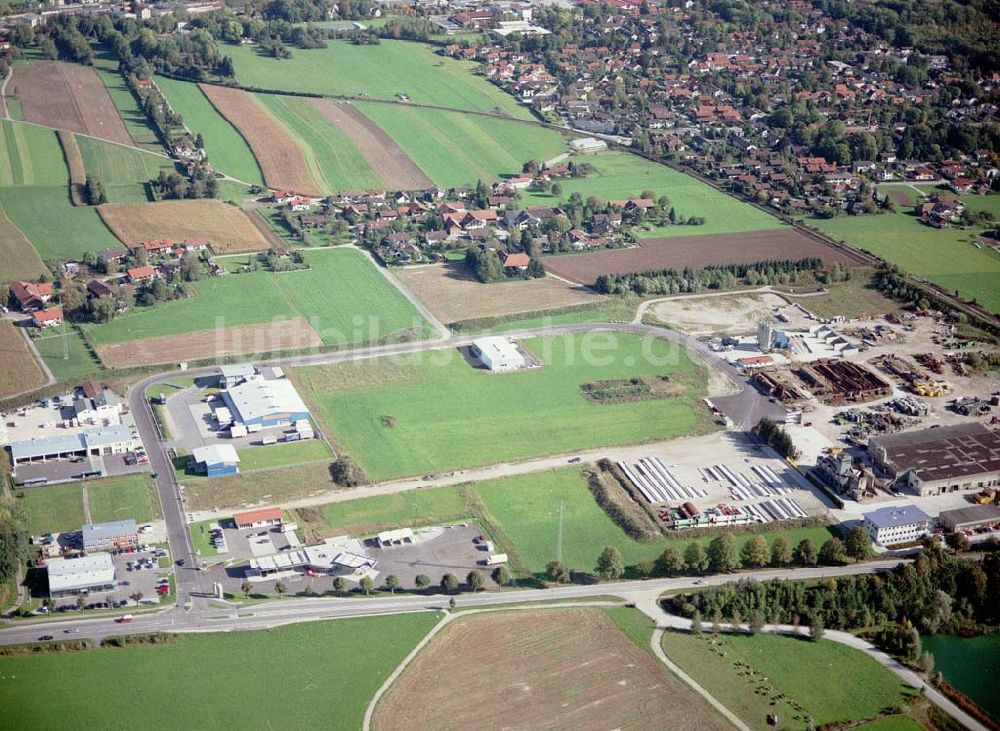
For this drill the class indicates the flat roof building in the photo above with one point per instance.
(68, 576)
(113, 439)
(258, 403)
(217, 460)
(235, 374)
(498, 353)
(940, 459)
(109, 535)
(897, 524)
(342, 556)
(970, 518)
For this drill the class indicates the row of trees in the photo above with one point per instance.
(776, 437)
(449, 583)
(724, 276)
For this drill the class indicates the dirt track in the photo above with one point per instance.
(549, 668)
(69, 96)
(202, 344)
(281, 161)
(696, 252)
(392, 166)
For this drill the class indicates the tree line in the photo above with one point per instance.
(721, 276)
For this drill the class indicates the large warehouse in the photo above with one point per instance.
(114, 439)
(940, 459)
(95, 572)
(498, 354)
(970, 518)
(259, 403)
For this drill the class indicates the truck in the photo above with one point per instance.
(124, 619)
(496, 559)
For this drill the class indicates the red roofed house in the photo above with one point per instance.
(31, 296)
(258, 518)
(137, 274)
(755, 361)
(48, 318)
(516, 261)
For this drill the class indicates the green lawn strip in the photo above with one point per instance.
(6, 158)
(171, 387)
(53, 508)
(380, 71)
(36, 158)
(620, 175)
(51, 222)
(120, 498)
(201, 539)
(331, 669)
(332, 158)
(365, 516)
(456, 149)
(615, 310)
(832, 682)
(228, 152)
(282, 455)
(636, 625)
(527, 507)
(447, 415)
(136, 122)
(943, 256)
(80, 361)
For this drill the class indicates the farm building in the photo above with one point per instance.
(31, 296)
(233, 375)
(50, 317)
(217, 460)
(970, 518)
(498, 354)
(68, 576)
(940, 459)
(258, 403)
(588, 144)
(115, 439)
(899, 524)
(258, 518)
(113, 534)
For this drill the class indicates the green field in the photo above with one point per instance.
(832, 682)
(450, 415)
(56, 227)
(53, 508)
(456, 149)
(382, 72)
(136, 122)
(945, 257)
(31, 155)
(120, 498)
(332, 159)
(412, 508)
(79, 363)
(282, 455)
(227, 150)
(620, 175)
(123, 171)
(324, 674)
(342, 294)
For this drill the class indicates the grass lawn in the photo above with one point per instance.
(252, 488)
(124, 171)
(53, 508)
(79, 363)
(341, 294)
(527, 508)
(448, 414)
(412, 508)
(830, 681)
(283, 455)
(136, 122)
(636, 625)
(854, 298)
(620, 175)
(333, 160)
(945, 257)
(326, 672)
(31, 155)
(120, 498)
(201, 538)
(51, 222)
(382, 72)
(227, 150)
(612, 310)
(893, 723)
(456, 149)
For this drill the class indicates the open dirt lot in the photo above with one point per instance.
(549, 668)
(69, 96)
(227, 229)
(695, 252)
(453, 294)
(393, 167)
(728, 314)
(281, 160)
(20, 369)
(290, 335)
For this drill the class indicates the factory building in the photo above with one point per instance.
(899, 524)
(498, 354)
(259, 404)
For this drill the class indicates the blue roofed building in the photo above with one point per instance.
(216, 460)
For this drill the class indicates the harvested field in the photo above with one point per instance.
(227, 228)
(18, 258)
(281, 160)
(453, 294)
(69, 96)
(21, 371)
(696, 252)
(548, 668)
(291, 334)
(394, 168)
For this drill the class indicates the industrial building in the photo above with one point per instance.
(940, 459)
(114, 439)
(111, 535)
(258, 518)
(498, 354)
(899, 524)
(216, 460)
(68, 576)
(970, 518)
(233, 375)
(771, 338)
(339, 556)
(258, 404)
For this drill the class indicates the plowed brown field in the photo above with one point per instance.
(292, 334)
(697, 252)
(281, 161)
(548, 668)
(68, 96)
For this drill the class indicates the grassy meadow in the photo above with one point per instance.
(52, 508)
(283, 455)
(56, 227)
(31, 155)
(136, 122)
(80, 362)
(120, 498)
(124, 172)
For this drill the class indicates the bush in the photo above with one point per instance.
(348, 473)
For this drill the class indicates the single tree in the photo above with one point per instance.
(392, 583)
(781, 551)
(816, 628)
(449, 582)
(716, 621)
(557, 572)
(557, 190)
(858, 545)
(340, 584)
(671, 562)
(755, 553)
(756, 624)
(246, 587)
(696, 623)
(722, 554)
(136, 596)
(832, 552)
(925, 663)
(805, 553)
(367, 584)
(736, 621)
(957, 542)
(610, 564)
(501, 575)
(422, 581)
(475, 581)
(280, 586)
(695, 558)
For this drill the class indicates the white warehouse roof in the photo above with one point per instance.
(258, 398)
(216, 454)
(73, 574)
(64, 443)
(498, 349)
(237, 370)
